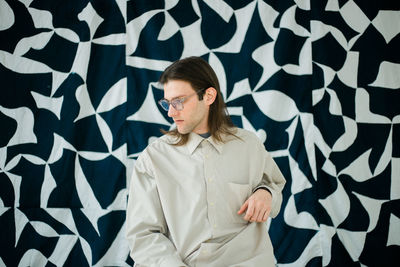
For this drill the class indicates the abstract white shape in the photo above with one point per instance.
(394, 231)
(43, 229)
(42, 19)
(388, 76)
(91, 207)
(37, 42)
(288, 21)
(120, 153)
(387, 22)
(302, 220)
(190, 33)
(111, 39)
(20, 64)
(267, 102)
(386, 155)
(243, 17)
(145, 63)
(135, 27)
(348, 73)
(149, 111)
(354, 16)
(114, 97)
(221, 8)
(307, 123)
(332, 5)
(264, 55)
(326, 234)
(240, 88)
(359, 169)
(25, 122)
(169, 28)
(33, 159)
(64, 246)
(65, 217)
(319, 30)
(170, 4)
(335, 108)
(90, 16)
(85, 104)
(67, 34)
(117, 252)
(303, 4)
(363, 111)
(317, 95)
(299, 180)
(348, 137)
(48, 185)
(218, 67)
(59, 144)
(395, 186)
(337, 205)
(353, 242)
(105, 132)
(33, 257)
(93, 156)
(20, 222)
(268, 16)
(373, 208)
(305, 61)
(312, 250)
(80, 65)
(52, 104)
(6, 15)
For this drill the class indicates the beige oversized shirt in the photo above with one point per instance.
(183, 202)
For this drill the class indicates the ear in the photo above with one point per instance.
(210, 95)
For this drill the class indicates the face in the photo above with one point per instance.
(194, 116)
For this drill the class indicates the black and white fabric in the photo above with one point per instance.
(317, 81)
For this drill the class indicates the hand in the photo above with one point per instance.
(258, 206)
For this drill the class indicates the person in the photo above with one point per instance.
(201, 193)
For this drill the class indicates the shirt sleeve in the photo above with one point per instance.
(146, 228)
(273, 181)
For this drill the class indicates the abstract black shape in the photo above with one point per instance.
(346, 96)
(65, 15)
(389, 97)
(107, 62)
(8, 128)
(396, 141)
(371, 9)
(183, 13)
(32, 177)
(288, 47)
(239, 66)
(88, 136)
(214, 30)
(98, 173)
(58, 54)
(113, 20)
(23, 27)
(135, 9)
(115, 120)
(331, 126)
(339, 254)
(77, 257)
(297, 87)
(65, 194)
(150, 47)
(138, 134)
(377, 239)
(7, 195)
(322, 52)
(369, 136)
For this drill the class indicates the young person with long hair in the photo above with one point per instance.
(200, 194)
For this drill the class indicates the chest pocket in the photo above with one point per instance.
(236, 195)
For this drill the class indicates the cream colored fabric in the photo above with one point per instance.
(183, 202)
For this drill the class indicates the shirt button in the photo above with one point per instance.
(215, 226)
(212, 204)
(210, 180)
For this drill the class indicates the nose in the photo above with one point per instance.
(172, 112)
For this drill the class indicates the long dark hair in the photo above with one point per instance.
(200, 75)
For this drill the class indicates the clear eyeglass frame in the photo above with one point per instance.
(176, 103)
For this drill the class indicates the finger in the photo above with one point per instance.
(266, 215)
(243, 207)
(260, 217)
(250, 212)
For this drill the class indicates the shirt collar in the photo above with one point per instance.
(195, 140)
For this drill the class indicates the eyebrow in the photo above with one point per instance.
(179, 96)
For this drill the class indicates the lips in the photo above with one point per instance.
(178, 121)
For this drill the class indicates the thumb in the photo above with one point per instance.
(243, 207)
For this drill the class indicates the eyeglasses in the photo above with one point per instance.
(176, 103)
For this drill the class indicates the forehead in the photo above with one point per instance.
(177, 88)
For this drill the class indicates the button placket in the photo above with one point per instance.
(211, 199)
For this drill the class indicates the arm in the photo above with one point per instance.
(266, 199)
(146, 226)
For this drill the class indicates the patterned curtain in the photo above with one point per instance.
(317, 80)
